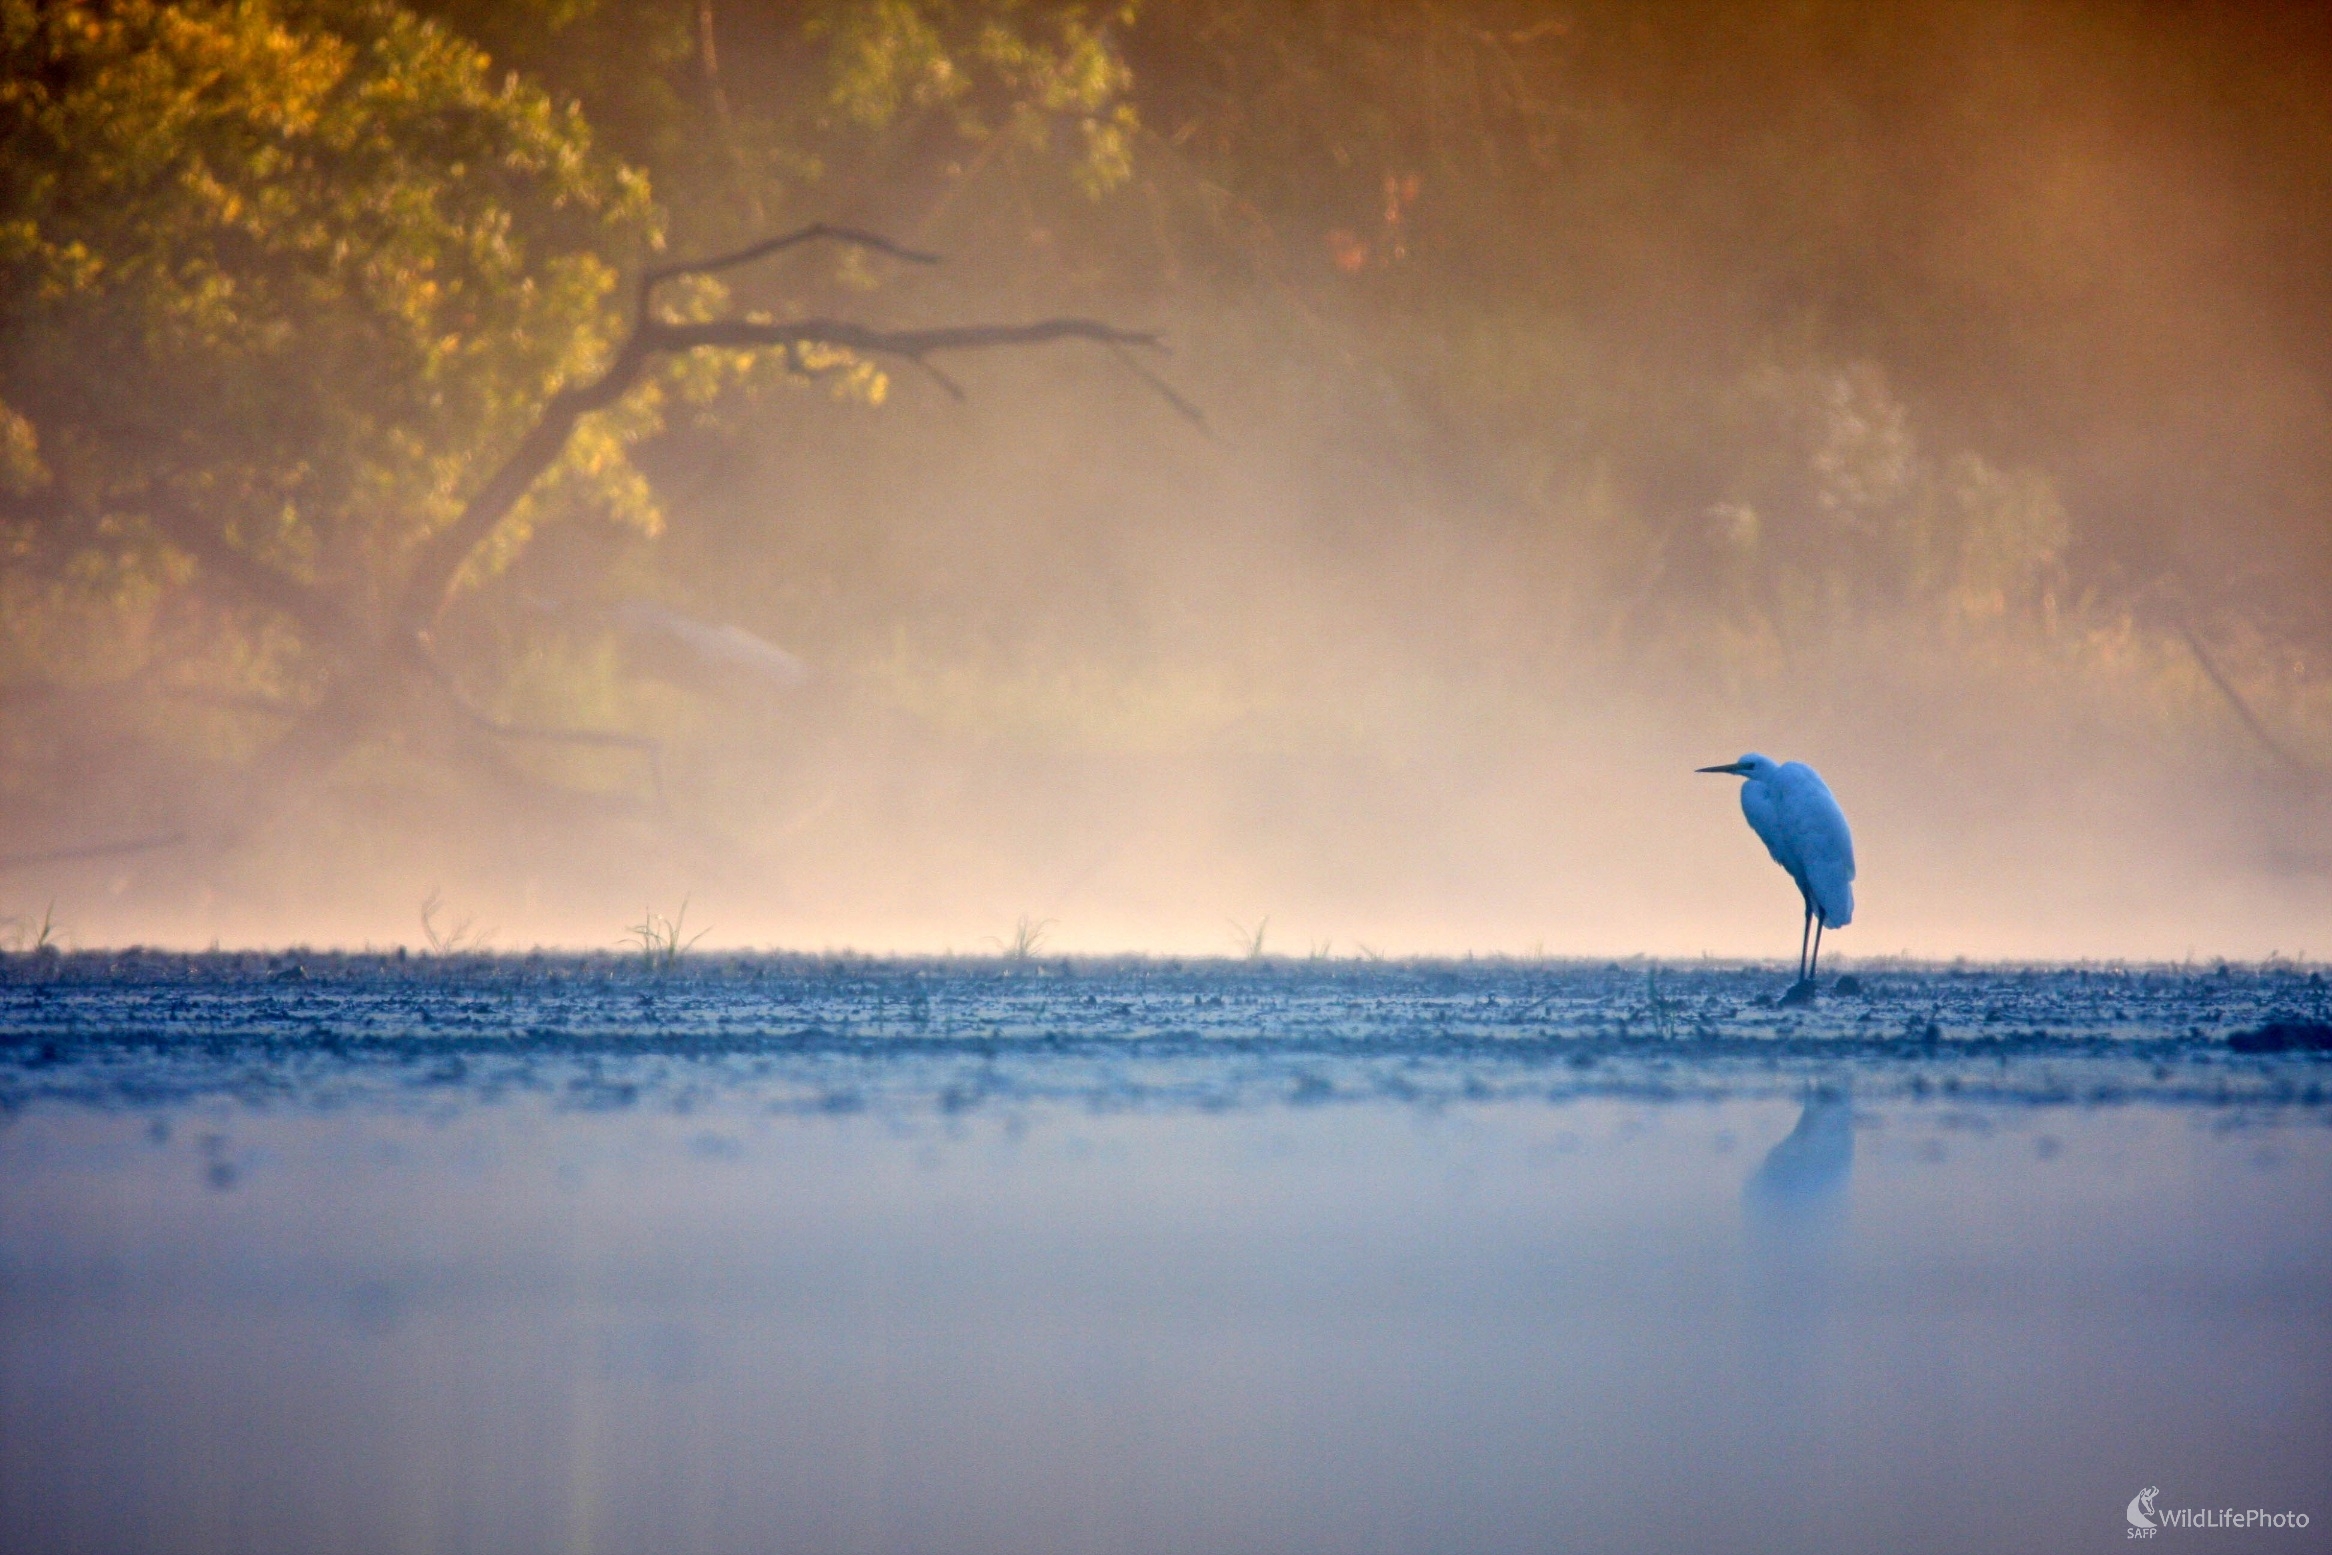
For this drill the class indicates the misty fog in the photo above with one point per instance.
(1942, 404)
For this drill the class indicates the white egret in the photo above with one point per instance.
(1792, 811)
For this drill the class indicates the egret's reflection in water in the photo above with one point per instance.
(1798, 1193)
(1794, 1219)
(1794, 1210)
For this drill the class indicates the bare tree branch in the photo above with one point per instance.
(750, 334)
(401, 647)
(932, 370)
(1164, 390)
(852, 236)
(2250, 720)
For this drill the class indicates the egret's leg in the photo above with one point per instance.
(1802, 933)
(1819, 925)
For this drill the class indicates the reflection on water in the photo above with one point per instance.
(1794, 1213)
(1794, 1230)
(1798, 1193)
(459, 1316)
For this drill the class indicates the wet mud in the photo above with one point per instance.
(836, 1033)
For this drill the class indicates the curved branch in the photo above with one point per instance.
(1164, 390)
(852, 236)
(913, 344)
(442, 557)
(2292, 760)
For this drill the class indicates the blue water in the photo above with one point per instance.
(839, 1256)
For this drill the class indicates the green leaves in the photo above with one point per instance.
(1050, 76)
(306, 265)
(314, 266)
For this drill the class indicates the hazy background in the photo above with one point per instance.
(1935, 394)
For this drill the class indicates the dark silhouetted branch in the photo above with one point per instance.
(349, 705)
(850, 236)
(948, 386)
(2250, 720)
(750, 334)
(1164, 390)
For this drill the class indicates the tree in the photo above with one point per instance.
(739, 109)
(310, 322)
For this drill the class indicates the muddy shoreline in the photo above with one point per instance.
(843, 1032)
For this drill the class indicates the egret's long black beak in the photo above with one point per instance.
(1729, 769)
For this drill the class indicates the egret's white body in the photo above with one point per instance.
(1794, 814)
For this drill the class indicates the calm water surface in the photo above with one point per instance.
(1151, 1258)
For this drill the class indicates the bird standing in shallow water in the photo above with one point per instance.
(1791, 810)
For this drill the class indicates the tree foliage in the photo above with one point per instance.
(278, 279)
(741, 112)
(311, 312)
(1682, 292)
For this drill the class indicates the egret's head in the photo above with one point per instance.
(1749, 766)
